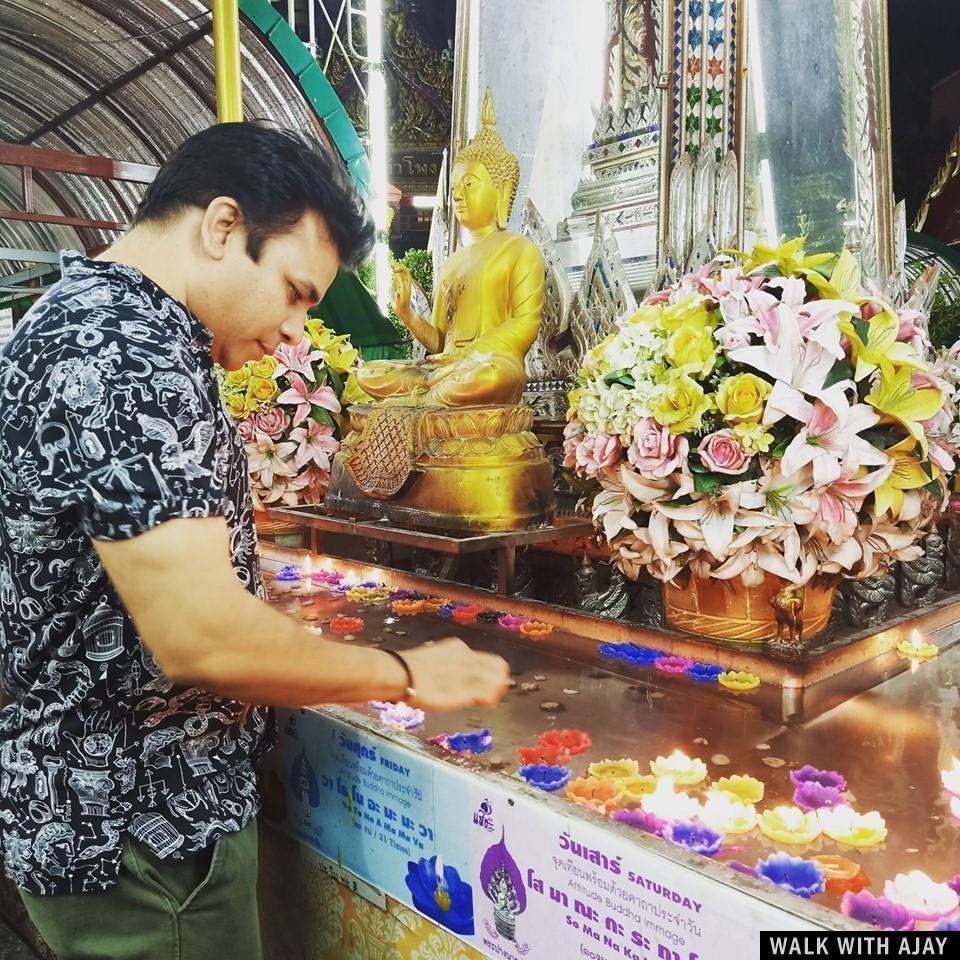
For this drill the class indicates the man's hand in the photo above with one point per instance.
(448, 675)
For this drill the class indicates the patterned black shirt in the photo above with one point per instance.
(110, 424)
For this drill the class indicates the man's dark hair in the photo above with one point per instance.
(275, 176)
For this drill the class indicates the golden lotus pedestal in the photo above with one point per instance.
(471, 469)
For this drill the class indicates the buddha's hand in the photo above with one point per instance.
(448, 675)
(402, 286)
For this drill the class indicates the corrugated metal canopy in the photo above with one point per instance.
(128, 79)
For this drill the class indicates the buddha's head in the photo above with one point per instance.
(485, 176)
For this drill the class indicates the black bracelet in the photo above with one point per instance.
(410, 692)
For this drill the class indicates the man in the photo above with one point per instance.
(133, 637)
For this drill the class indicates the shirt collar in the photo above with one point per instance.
(74, 264)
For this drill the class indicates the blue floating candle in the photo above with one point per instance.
(793, 874)
(694, 836)
(546, 777)
(641, 820)
(479, 741)
(705, 672)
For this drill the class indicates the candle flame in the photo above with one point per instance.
(915, 639)
(308, 566)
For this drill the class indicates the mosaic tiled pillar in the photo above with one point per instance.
(704, 76)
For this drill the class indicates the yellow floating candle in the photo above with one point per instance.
(681, 768)
(636, 788)
(746, 789)
(725, 814)
(602, 796)
(789, 825)
(917, 650)
(738, 680)
(615, 770)
(845, 825)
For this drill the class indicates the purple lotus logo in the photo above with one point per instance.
(501, 881)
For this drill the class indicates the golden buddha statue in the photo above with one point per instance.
(488, 297)
(453, 419)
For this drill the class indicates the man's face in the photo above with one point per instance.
(252, 307)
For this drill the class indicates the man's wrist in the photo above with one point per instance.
(402, 667)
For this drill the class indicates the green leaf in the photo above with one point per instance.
(621, 376)
(934, 487)
(706, 483)
(336, 381)
(840, 371)
(862, 327)
(323, 417)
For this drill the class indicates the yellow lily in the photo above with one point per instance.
(790, 257)
(897, 400)
(908, 474)
(844, 282)
(881, 349)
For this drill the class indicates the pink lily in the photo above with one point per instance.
(298, 358)
(837, 506)
(270, 459)
(316, 444)
(305, 397)
(829, 436)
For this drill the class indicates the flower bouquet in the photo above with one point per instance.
(768, 423)
(287, 407)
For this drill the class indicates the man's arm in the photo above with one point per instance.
(204, 629)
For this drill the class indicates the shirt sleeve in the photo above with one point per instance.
(125, 436)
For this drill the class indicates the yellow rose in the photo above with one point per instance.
(753, 437)
(692, 350)
(238, 378)
(262, 390)
(264, 368)
(741, 398)
(689, 312)
(236, 404)
(681, 404)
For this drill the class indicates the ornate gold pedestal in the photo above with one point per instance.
(472, 468)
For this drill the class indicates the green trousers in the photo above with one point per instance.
(201, 907)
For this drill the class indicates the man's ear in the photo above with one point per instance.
(221, 219)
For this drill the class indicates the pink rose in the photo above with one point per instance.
(721, 452)
(655, 451)
(592, 452)
(273, 422)
(247, 430)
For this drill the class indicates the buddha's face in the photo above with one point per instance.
(475, 195)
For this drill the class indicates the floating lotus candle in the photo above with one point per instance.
(433, 604)
(916, 650)
(667, 804)
(704, 672)
(285, 579)
(812, 796)
(346, 624)
(826, 778)
(923, 897)
(509, 622)
(951, 778)
(551, 756)
(403, 716)
(546, 777)
(673, 665)
(466, 614)
(789, 825)
(842, 875)
(744, 788)
(636, 788)
(948, 925)
(617, 770)
(680, 768)
(490, 616)
(845, 825)
(326, 578)
(641, 820)
(876, 911)
(573, 741)
(629, 652)
(536, 630)
(467, 744)
(364, 594)
(728, 815)
(407, 608)
(602, 796)
(739, 681)
(697, 837)
(799, 877)
(402, 593)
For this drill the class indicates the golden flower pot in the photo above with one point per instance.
(728, 610)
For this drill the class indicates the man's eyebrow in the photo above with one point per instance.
(307, 291)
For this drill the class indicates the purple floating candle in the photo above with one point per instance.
(705, 672)
(793, 874)
(826, 778)
(694, 836)
(404, 594)
(876, 911)
(400, 715)
(810, 795)
(948, 925)
(509, 622)
(546, 777)
(641, 820)
(479, 741)
(673, 664)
